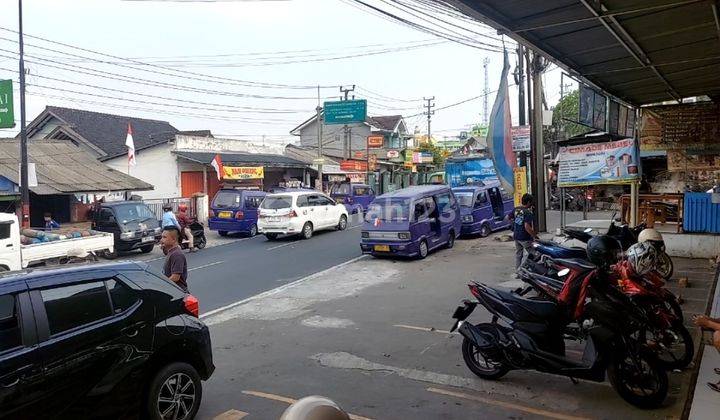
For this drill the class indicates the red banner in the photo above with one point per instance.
(353, 165)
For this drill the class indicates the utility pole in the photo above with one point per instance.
(318, 109)
(24, 187)
(347, 143)
(430, 105)
(486, 91)
(538, 154)
(520, 82)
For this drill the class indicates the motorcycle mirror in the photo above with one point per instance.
(564, 272)
(588, 230)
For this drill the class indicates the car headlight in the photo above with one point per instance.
(158, 230)
(127, 235)
(404, 235)
(467, 218)
(365, 234)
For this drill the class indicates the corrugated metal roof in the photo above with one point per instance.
(63, 168)
(638, 50)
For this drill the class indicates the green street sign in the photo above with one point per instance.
(345, 112)
(7, 116)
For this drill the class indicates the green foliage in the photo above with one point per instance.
(439, 154)
(568, 109)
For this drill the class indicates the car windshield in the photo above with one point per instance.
(133, 213)
(465, 198)
(226, 199)
(276, 202)
(340, 189)
(390, 209)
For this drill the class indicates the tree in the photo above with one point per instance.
(563, 127)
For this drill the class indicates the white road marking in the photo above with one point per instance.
(206, 265)
(280, 288)
(281, 246)
(412, 327)
(354, 227)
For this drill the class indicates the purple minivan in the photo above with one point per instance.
(355, 197)
(483, 209)
(411, 222)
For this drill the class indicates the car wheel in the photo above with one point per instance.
(222, 232)
(485, 230)
(175, 393)
(253, 231)
(271, 236)
(307, 230)
(110, 255)
(451, 240)
(342, 224)
(423, 249)
(147, 249)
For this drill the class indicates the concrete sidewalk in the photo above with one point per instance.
(372, 335)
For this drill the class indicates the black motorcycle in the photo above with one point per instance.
(198, 232)
(532, 334)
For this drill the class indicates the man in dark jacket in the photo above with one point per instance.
(524, 233)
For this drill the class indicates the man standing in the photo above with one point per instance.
(175, 267)
(185, 222)
(523, 228)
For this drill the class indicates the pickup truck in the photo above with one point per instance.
(15, 256)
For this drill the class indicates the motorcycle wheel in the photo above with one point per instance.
(479, 364)
(200, 242)
(674, 346)
(639, 379)
(665, 266)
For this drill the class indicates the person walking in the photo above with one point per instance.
(175, 267)
(524, 233)
(185, 222)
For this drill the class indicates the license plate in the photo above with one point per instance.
(273, 219)
(148, 239)
(225, 215)
(382, 248)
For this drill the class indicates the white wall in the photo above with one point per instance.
(157, 166)
(210, 144)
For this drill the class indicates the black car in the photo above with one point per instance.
(100, 341)
(134, 225)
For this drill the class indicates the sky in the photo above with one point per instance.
(244, 69)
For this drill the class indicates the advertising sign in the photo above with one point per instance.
(375, 141)
(598, 163)
(520, 176)
(243, 172)
(7, 115)
(469, 172)
(520, 138)
(345, 112)
(353, 165)
(372, 162)
(422, 157)
(393, 154)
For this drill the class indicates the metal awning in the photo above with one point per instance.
(641, 51)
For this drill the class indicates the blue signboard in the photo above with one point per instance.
(613, 162)
(345, 112)
(469, 172)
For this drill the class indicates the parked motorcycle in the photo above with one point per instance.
(198, 232)
(532, 332)
(665, 332)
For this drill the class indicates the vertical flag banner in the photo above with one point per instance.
(217, 164)
(130, 143)
(499, 137)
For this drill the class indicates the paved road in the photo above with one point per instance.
(225, 274)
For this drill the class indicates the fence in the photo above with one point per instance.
(156, 205)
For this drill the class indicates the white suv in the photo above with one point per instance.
(299, 213)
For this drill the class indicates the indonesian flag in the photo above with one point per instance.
(217, 164)
(130, 143)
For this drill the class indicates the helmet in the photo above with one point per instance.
(650, 235)
(167, 207)
(182, 207)
(642, 257)
(604, 251)
(314, 407)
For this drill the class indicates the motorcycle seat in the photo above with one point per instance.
(575, 264)
(552, 244)
(539, 308)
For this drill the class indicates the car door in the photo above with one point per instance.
(446, 207)
(21, 375)
(10, 258)
(83, 343)
(332, 211)
(362, 197)
(250, 209)
(316, 211)
(421, 221)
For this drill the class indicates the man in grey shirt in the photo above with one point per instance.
(175, 267)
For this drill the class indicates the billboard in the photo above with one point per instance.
(469, 171)
(375, 141)
(345, 112)
(520, 138)
(598, 163)
(243, 172)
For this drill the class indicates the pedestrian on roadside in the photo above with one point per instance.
(713, 324)
(314, 408)
(524, 233)
(168, 217)
(50, 223)
(185, 221)
(175, 267)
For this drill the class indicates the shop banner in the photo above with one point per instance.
(520, 184)
(243, 172)
(520, 138)
(598, 163)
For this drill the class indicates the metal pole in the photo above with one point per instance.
(521, 96)
(562, 208)
(538, 152)
(320, 145)
(24, 187)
